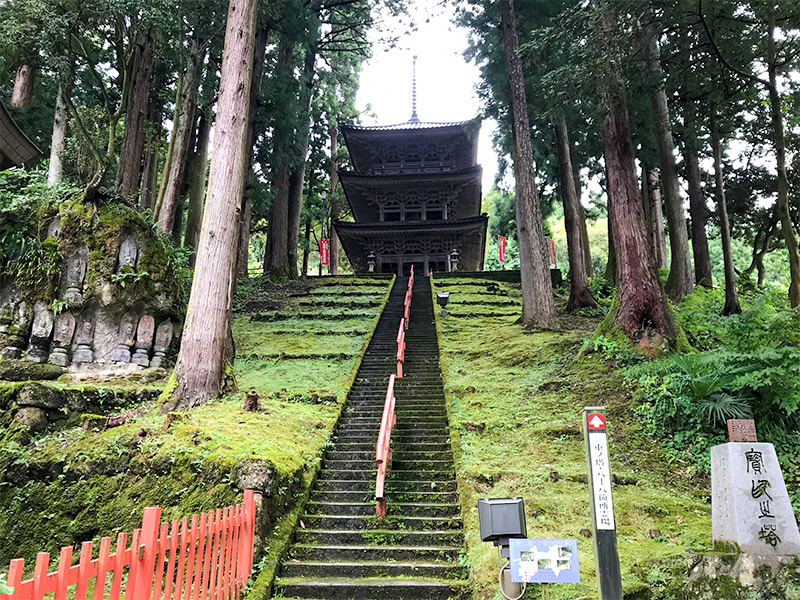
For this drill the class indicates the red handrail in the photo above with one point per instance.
(230, 531)
(383, 451)
(401, 348)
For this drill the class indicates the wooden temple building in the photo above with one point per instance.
(15, 147)
(415, 193)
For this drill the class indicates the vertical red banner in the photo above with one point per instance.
(324, 252)
(501, 247)
(552, 245)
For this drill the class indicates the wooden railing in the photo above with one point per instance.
(383, 450)
(401, 347)
(207, 557)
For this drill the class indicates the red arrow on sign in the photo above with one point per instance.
(596, 421)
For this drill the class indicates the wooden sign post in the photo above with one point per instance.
(606, 557)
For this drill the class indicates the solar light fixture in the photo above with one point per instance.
(501, 519)
(442, 298)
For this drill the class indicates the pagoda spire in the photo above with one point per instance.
(414, 118)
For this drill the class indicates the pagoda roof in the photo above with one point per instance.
(469, 234)
(15, 147)
(465, 185)
(364, 141)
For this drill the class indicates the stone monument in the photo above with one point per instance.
(18, 331)
(125, 338)
(39, 343)
(163, 340)
(76, 273)
(128, 254)
(62, 339)
(144, 341)
(750, 506)
(84, 337)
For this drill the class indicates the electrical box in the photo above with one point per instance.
(501, 518)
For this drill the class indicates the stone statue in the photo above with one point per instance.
(62, 339)
(39, 344)
(125, 338)
(128, 254)
(76, 273)
(18, 332)
(144, 341)
(164, 335)
(84, 336)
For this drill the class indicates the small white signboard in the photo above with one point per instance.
(601, 474)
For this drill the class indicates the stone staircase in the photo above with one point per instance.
(341, 551)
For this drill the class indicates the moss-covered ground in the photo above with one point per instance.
(76, 483)
(515, 399)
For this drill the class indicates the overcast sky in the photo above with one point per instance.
(445, 81)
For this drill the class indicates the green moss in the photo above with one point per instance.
(528, 389)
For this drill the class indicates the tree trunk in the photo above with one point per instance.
(576, 176)
(276, 255)
(182, 133)
(579, 294)
(538, 309)
(197, 187)
(297, 178)
(680, 281)
(130, 152)
(656, 226)
(59, 143)
(731, 293)
(243, 245)
(153, 139)
(334, 240)
(787, 227)
(642, 312)
(200, 369)
(23, 86)
(306, 248)
(698, 212)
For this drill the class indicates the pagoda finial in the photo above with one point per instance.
(414, 118)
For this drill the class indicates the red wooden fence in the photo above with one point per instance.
(209, 557)
(383, 451)
(401, 348)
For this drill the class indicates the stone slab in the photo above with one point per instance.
(742, 430)
(749, 502)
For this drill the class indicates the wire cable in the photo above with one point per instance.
(500, 581)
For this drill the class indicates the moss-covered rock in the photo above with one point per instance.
(23, 370)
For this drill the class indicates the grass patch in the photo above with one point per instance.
(528, 392)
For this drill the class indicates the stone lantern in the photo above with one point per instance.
(454, 260)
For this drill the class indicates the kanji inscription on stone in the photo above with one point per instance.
(742, 430)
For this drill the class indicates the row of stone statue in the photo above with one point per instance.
(44, 337)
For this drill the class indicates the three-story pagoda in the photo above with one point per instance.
(415, 193)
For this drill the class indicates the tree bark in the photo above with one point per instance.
(538, 308)
(761, 245)
(130, 152)
(334, 240)
(259, 54)
(59, 142)
(197, 187)
(658, 240)
(276, 255)
(579, 294)
(787, 227)
(680, 281)
(698, 212)
(731, 292)
(174, 167)
(576, 176)
(306, 248)
(642, 310)
(296, 180)
(200, 369)
(22, 92)
(153, 139)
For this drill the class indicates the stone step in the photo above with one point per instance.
(423, 446)
(377, 588)
(317, 552)
(370, 455)
(381, 568)
(379, 536)
(398, 463)
(346, 522)
(392, 496)
(365, 509)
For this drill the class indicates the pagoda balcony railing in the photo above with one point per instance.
(412, 167)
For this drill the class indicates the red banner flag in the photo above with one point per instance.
(324, 252)
(501, 246)
(552, 245)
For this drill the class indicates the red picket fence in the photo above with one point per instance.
(209, 558)
(383, 451)
(407, 302)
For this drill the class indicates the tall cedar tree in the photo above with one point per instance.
(579, 294)
(200, 369)
(538, 308)
(642, 306)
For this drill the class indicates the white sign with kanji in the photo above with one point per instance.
(601, 480)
